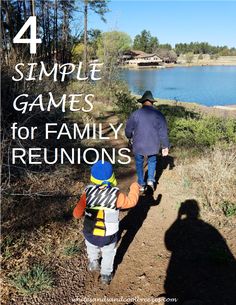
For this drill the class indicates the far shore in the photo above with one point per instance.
(181, 62)
(216, 110)
(210, 64)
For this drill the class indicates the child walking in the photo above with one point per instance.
(100, 203)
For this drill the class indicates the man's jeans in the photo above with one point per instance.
(107, 253)
(152, 161)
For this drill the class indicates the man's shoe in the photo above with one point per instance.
(151, 184)
(106, 279)
(93, 266)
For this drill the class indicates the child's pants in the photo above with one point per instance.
(107, 253)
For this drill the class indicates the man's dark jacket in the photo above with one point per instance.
(148, 129)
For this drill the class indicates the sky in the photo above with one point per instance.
(172, 21)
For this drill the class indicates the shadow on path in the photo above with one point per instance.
(163, 163)
(132, 222)
(202, 270)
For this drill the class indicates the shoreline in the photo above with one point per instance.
(226, 107)
(129, 67)
(195, 62)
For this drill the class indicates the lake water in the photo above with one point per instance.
(211, 85)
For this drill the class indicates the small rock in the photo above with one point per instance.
(142, 276)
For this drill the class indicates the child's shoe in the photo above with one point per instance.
(106, 279)
(142, 188)
(93, 266)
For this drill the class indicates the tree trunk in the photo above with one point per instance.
(86, 37)
(55, 32)
(32, 7)
(25, 10)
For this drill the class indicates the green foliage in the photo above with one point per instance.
(229, 208)
(78, 52)
(92, 45)
(6, 247)
(190, 129)
(145, 42)
(124, 101)
(165, 46)
(72, 249)
(34, 280)
(203, 48)
(99, 7)
(112, 44)
(206, 131)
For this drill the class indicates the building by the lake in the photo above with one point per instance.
(140, 58)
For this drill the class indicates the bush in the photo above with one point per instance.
(200, 56)
(126, 103)
(189, 57)
(34, 280)
(202, 132)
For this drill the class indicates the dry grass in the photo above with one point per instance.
(42, 246)
(214, 177)
(39, 230)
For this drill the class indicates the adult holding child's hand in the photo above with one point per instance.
(147, 130)
(165, 152)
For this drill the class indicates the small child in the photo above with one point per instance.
(101, 202)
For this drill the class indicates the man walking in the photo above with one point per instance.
(147, 129)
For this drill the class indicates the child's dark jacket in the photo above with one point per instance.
(101, 207)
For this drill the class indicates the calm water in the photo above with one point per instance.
(204, 85)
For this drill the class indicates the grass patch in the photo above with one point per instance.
(34, 280)
(6, 247)
(72, 249)
(229, 209)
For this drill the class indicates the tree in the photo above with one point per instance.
(93, 37)
(111, 45)
(167, 55)
(202, 48)
(153, 44)
(189, 57)
(78, 52)
(165, 46)
(67, 8)
(145, 42)
(99, 7)
(172, 56)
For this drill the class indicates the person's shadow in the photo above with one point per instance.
(202, 270)
(132, 222)
(163, 163)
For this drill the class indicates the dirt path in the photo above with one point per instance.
(141, 255)
(142, 258)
